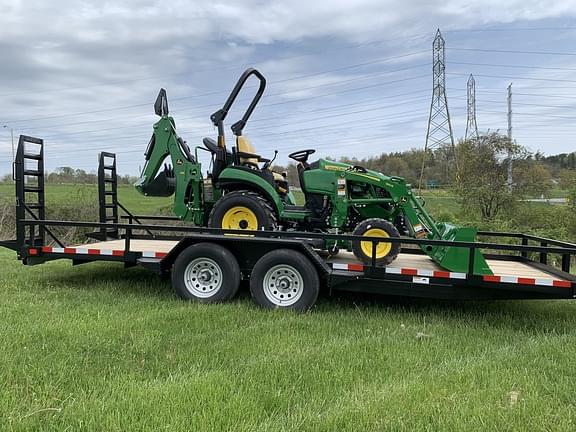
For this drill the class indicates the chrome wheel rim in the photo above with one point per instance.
(283, 285)
(203, 277)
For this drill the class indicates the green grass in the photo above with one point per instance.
(127, 195)
(101, 348)
(97, 347)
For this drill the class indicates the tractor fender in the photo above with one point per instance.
(232, 179)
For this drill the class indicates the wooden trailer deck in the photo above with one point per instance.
(504, 270)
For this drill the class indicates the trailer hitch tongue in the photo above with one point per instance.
(457, 259)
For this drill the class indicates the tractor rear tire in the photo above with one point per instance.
(386, 252)
(243, 210)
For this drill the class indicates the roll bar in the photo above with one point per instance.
(218, 117)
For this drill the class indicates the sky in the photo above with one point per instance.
(348, 78)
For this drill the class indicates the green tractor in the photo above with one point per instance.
(241, 191)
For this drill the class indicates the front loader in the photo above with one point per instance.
(241, 191)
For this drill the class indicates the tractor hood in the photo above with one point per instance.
(359, 173)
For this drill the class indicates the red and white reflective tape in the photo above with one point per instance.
(527, 281)
(154, 254)
(348, 267)
(454, 275)
(426, 273)
(76, 251)
(403, 271)
(88, 251)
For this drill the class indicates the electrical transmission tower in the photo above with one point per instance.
(471, 126)
(439, 125)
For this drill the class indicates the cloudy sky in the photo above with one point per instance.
(345, 77)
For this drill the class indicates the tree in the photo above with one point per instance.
(481, 183)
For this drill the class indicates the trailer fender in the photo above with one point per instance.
(247, 251)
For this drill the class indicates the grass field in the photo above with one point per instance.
(127, 195)
(101, 348)
(97, 347)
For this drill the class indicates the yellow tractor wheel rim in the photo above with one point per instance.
(240, 218)
(382, 249)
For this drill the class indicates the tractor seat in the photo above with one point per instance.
(212, 145)
(248, 157)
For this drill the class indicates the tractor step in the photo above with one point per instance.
(33, 189)
(32, 156)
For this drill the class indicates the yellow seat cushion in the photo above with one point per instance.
(243, 145)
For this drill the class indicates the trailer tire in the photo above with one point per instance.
(285, 279)
(207, 273)
(386, 252)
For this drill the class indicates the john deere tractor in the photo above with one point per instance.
(241, 191)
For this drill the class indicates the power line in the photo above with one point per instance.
(516, 78)
(289, 147)
(511, 29)
(513, 51)
(235, 67)
(381, 60)
(523, 103)
(514, 66)
(353, 90)
(533, 114)
(340, 82)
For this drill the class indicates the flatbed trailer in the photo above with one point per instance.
(285, 268)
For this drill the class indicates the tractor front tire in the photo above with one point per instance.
(386, 252)
(242, 210)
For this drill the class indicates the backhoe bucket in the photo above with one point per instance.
(163, 185)
(456, 259)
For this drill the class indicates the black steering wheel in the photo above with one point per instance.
(301, 155)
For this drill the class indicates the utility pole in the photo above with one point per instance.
(12, 140)
(471, 126)
(510, 180)
(439, 130)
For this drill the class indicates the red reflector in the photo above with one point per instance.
(490, 278)
(33, 251)
(118, 252)
(562, 284)
(526, 281)
(442, 274)
(409, 272)
(161, 254)
(47, 249)
(93, 251)
(355, 267)
(69, 250)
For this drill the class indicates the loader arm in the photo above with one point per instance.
(184, 181)
(455, 259)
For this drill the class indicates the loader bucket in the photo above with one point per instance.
(456, 259)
